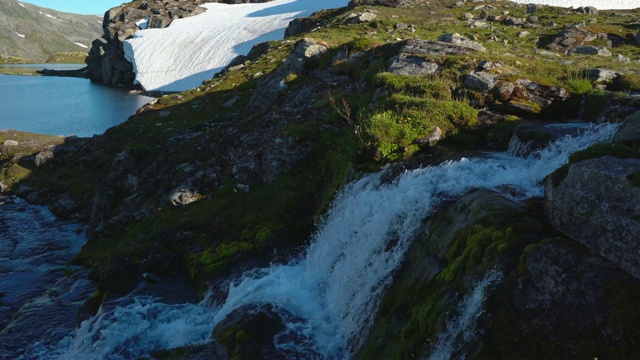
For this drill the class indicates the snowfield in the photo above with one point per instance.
(191, 50)
(179, 57)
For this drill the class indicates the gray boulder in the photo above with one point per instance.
(182, 196)
(64, 207)
(432, 139)
(570, 38)
(600, 75)
(459, 40)
(54, 154)
(305, 49)
(481, 81)
(597, 205)
(412, 66)
(10, 143)
(423, 47)
(366, 16)
(590, 50)
(629, 131)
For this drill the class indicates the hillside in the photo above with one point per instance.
(31, 32)
(351, 172)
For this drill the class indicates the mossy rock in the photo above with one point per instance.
(248, 332)
(462, 241)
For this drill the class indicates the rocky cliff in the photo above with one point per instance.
(106, 61)
(235, 174)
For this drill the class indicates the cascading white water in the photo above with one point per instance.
(335, 288)
(465, 323)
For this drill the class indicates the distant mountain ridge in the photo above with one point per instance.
(33, 32)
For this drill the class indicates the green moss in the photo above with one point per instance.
(595, 102)
(625, 82)
(603, 149)
(634, 179)
(67, 58)
(434, 88)
(415, 310)
(594, 151)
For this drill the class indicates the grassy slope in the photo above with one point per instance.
(229, 226)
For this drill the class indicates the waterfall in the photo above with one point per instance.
(335, 287)
(464, 325)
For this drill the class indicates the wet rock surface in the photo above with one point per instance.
(597, 205)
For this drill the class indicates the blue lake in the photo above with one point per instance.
(63, 106)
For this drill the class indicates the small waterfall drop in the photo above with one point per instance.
(336, 286)
(464, 325)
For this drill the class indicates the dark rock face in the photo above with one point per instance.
(569, 305)
(629, 131)
(248, 332)
(298, 26)
(597, 205)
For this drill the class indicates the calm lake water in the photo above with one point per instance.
(63, 106)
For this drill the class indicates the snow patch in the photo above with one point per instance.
(81, 45)
(598, 4)
(22, 36)
(21, 5)
(201, 45)
(142, 24)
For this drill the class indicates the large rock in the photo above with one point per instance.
(572, 37)
(597, 205)
(600, 75)
(305, 49)
(526, 98)
(412, 66)
(629, 131)
(581, 296)
(457, 39)
(366, 16)
(54, 154)
(590, 50)
(481, 81)
(248, 332)
(425, 47)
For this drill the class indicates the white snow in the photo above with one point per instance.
(81, 45)
(181, 56)
(22, 36)
(598, 4)
(21, 5)
(142, 24)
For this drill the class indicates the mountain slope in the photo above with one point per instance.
(33, 32)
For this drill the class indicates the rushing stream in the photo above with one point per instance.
(334, 288)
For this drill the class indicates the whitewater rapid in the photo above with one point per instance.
(334, 288)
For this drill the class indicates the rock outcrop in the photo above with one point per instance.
(106, 60)
(597, 205)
